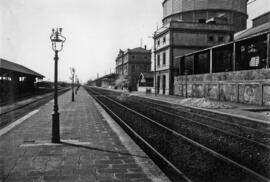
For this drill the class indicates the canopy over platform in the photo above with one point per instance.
(16, 80)
(7, 67)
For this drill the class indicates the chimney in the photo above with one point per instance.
(145, 47)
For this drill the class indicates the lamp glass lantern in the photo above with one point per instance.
(57, 39)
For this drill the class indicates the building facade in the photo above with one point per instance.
(130, 64)
(191, 25)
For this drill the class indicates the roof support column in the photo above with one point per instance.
(211, 60)
(268, 51)
(234, 56)
(15, 83)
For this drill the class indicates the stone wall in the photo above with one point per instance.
(248, 87)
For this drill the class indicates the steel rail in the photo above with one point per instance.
(214, 128)
(207, 117)
(144, 141)
(214, 153)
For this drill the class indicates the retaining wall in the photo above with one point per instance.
(248, 87)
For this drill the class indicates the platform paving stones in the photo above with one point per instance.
(90, 150)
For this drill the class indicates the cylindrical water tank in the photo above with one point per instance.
(233, 12)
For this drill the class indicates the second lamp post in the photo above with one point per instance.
(72, 78)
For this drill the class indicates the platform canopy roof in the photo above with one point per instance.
(253, 31)
(6, 66)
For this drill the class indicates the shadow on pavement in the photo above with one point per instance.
(102, 150)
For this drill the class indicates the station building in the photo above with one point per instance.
(130, 64)
(106, 81)
(191, 25)
(237, 71)
(16, 79)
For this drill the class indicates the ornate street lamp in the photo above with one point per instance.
(57, 40)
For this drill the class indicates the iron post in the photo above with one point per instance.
(57, 45)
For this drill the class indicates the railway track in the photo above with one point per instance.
(251, 125)
(194, 152)
(15, 99)
(10, 115)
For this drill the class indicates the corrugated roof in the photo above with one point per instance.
(245, 34)
(264, 14)
(252, 31)
(4, 64)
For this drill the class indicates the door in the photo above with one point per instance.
(158, 84)
(163, 84)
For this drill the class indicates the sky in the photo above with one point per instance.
(95, 31)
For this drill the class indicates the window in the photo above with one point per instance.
(211, 38)
(158, 42)
(21, 79)
(133, 57)
(164, 58)
(222, 59)
(243, 48)
(202, 63)
(145, 68)
(252, 48)
(158, 60)
(164, 39)
(133, 68)
(220, 38)
(202, 20)
(163, 84)
(125, 69)
(145, 57)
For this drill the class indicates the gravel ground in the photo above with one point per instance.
(203, 103)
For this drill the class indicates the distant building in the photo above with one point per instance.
(106, 81)
(131, 63)
(191, 25)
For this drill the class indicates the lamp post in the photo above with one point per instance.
(76, 78)
(72, 78)
(155, 66)
(57, 45)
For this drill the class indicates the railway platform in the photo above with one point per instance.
(93, 147)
